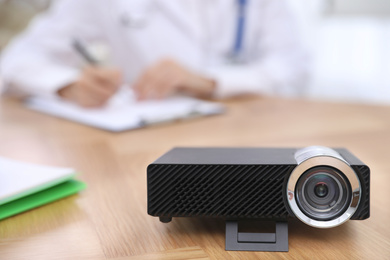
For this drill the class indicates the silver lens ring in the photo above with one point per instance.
(331, 161)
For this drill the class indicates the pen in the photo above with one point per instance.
(124, 94)
(82, 50)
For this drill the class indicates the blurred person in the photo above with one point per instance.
(159, 48)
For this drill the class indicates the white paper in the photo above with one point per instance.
(124, 113)
(18, 179)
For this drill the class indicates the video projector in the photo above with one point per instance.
(322, 187)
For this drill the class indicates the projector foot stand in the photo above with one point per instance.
(275, 242)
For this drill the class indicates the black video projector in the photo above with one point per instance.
(322, 187)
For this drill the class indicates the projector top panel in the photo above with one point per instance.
(230, 156)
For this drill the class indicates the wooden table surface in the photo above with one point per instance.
(109, 219)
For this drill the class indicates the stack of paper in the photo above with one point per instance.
(126, 113)
(24, 186)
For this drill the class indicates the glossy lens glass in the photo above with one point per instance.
(323, 193)
(321, 189)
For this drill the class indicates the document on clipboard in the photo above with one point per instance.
(124, 113)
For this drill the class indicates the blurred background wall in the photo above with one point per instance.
(15, 16)
(349, 39)
(351, 46)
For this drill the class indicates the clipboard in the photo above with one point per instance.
(123, 113)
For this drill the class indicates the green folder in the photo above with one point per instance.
(40, 198)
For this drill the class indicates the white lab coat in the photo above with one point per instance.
(199, 34)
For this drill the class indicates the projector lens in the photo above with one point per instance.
(323, 193)
(323, 190)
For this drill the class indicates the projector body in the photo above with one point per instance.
(260, 183)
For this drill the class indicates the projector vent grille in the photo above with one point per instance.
(236, 191)
(363, 211)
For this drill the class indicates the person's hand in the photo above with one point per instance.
(94, 87)
(167, 77)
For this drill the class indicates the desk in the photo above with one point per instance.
(109, 219)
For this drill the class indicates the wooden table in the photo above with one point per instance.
(109, 219)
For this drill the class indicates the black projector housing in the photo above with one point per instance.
(236, 183)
